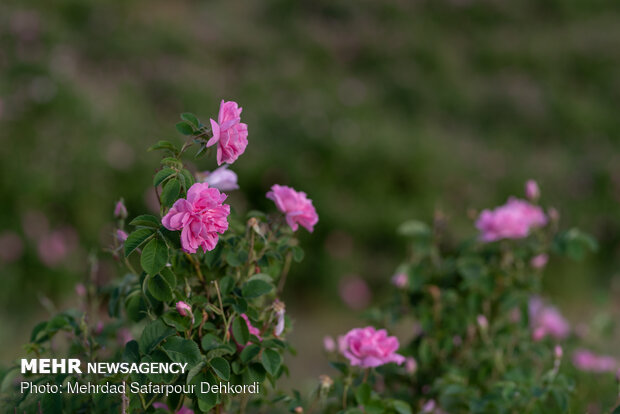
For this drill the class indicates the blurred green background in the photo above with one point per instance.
(381, 111)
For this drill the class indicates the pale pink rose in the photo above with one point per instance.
(296, 205)
(120, 211)
(121, 235)
(200, 217)
(368, 347)
(54, 247)
(253, 330)
(329, 344)
(411, 365)
(221, 178)
(532, 192)
(429, 407)
(483, 322)
(354, 292)
(229, 133)
(558, 352)
(11, 247)
(513, 220)
(586, 360)
(400, 280)
(183, 308)
(546, 321)
(539, 261)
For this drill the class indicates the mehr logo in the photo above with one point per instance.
(51, 366)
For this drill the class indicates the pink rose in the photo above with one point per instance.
(354, 292)
(539, 261)
(513, 220)
(201, 217)
(183, 308)
(229, 133)
(222, 178)
(400, 280)
(120, 211)
(411, 365)
(296, 205)
(532, 192)
(586, 360)
(368, 347)
(546, 320)
(121, 235)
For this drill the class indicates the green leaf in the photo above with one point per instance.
(271, 361)
(154, 256)
(160, 288)
(178, 322)
(146, 220)
(298, 254)
(221, 367)
(182, 350)
(362, 393)
(249, 352)
(189, 178)
(163, 145)
(170, 193)
(135, 239)
(240, 331)
(255, 288)
(184, 128)
(401, 407)
(153, 334)
(226, 285)
(162, 175)
(131, 352)
(191, 118)
(194, 371)
(209, 342)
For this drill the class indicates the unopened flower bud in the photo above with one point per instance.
(120, 211)
(411, 365)
(539, 261)
(532, 192)
(325, 382)
(121, 235)
(329, 344)
(483, 323)
(400, 280)
(558, 352)
(183, 308)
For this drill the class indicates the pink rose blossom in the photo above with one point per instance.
(354, 292)
(400, 280)
(121, 235)
(253, 331)
(411, 365)
(329, 344)
(54, 247)
(80, 290)
(183, 308)
(120, 211)
(539, 261)
(429, 407)
(296, 205)
(229, 133)
(532, 192)
(513, 220)
(222, 178)
(368, 347)
(586, 360)
(558, 352)
(546, 320)
(200, 217)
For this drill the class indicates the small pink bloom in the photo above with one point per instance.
(99, 328)
(546, 320)
(253, 331)
(429, 407)
(123, 336)
(368, 347)
(400, 280)
(532, 192)
(411, 365)
(229, 133)
(11, 247)
(586, 360)
(120, 211)
(329, 344)
(513, 220)
(185, 410)
(539, 261)
(183, 308)
(54, 247)
(558, 352)
(121, 235)
(200, 217)
(483, 323)
(354, 292)
(80, 290)
(222, 178)
(158, 405)
(296, 205)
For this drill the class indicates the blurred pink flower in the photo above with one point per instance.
(200, 217)
(183, 308)
(54, 247)
(123, 336)
(229, 133)
(532, 192)
(121, 235)
(539, 261)
(400, 280)
(354, 292)
(99, 328)
(253, 331)
(80, 290)
(546, 320)
(329, 344)
(411, 365)
(558, 352)
(513, 220)
(11, 247)
(483, 322)
(120, 211)
(296, 205)
(586, 360)
(368, 347)
(429, 407)
(222, 178)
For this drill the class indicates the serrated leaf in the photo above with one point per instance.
(153, 334)
(249, 352)
(154, 256)
(160, 288)
(184, 128)
(163, 145)
(191, 118)
(170, 192)
(146, 220)
(135, 239)
(182, 350)
(221, 367)
(271, 361)
(255, 288)
(209, 342)
(162, 175)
